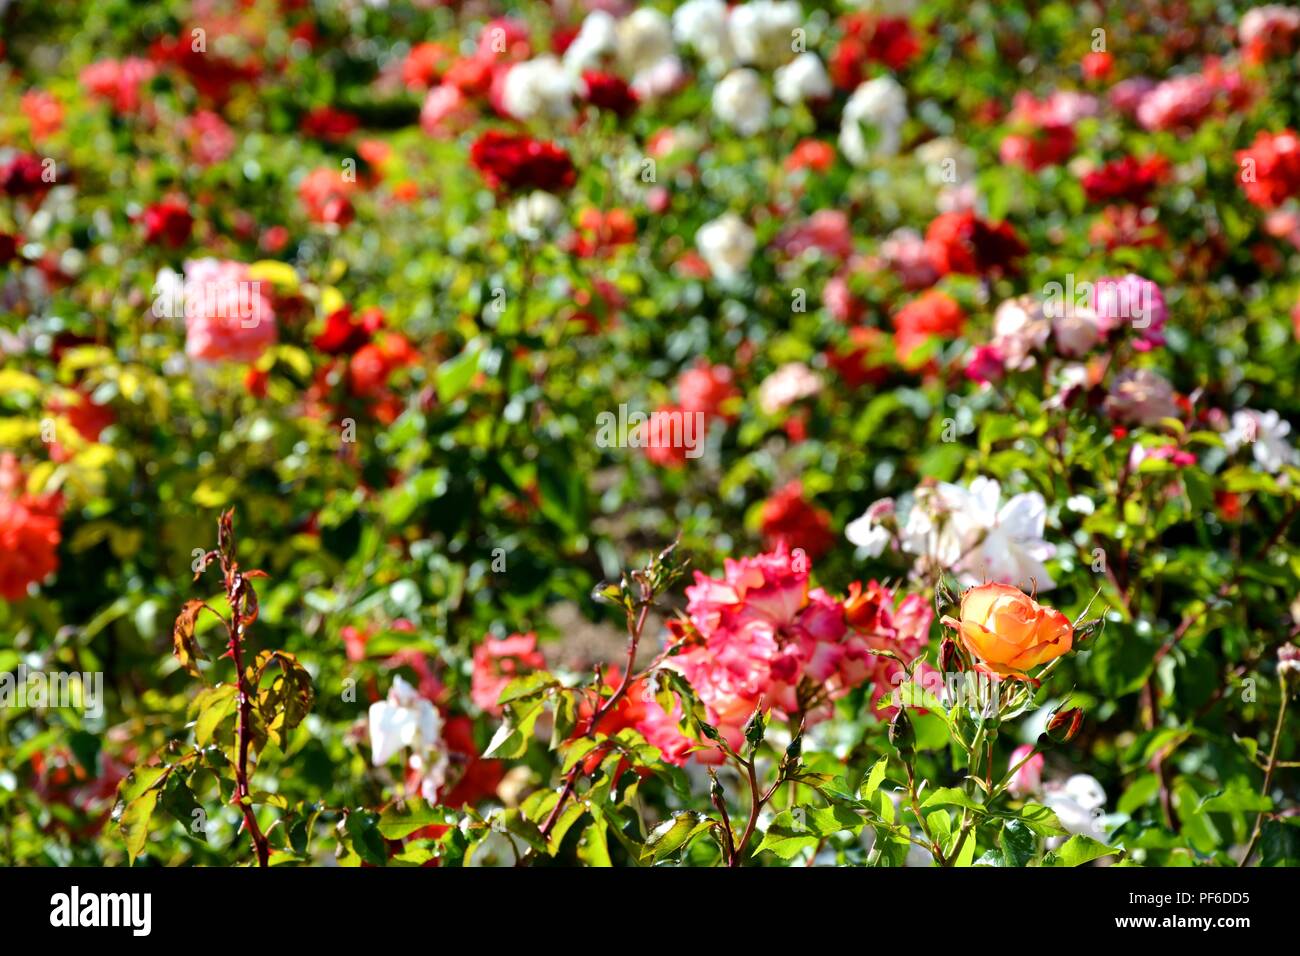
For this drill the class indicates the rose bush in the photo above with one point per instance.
(951, 344)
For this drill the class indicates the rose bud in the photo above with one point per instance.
(950, 657)
(1288, 661)
(1063, 726)
(901, 734)
(1008, 631)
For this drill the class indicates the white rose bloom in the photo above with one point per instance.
(1265, 433)
(929, 530)
(867, 531)
(539, 87)
(533, 216)
(596, 40)
(1011, 548)
(702, 26)
(787, 385)
(971, 533)
(762, 31)
(727, 245)
(740, 101)
(644, 38)
(658, 79)
(1019, 329)
(1076, 331)
(404, 719)
(880, 104)
(803, 78)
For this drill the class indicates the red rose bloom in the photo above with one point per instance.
(1270, 168)
(424, 65)
(959, 242)
(513, 161)
(329, 124)
(1125, 179)
(707, 388)
(168, 222)
(608, 92)
(29, 534)
(811, 154)
(791, 522)
(21, 176)
(1097, 66)
(344, 335)
(932, 313)
(871, 39)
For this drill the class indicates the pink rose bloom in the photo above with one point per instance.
(875, 625)
(210, 140)
(1127, 95)
(445, 111)
(1134, 300)
(1019, 330)
(760, 633)
(1029, 778)
(840, 301)
(1181, 103)
(1170, 453)
(504, 37)
(228, 316)
(826, 230)
(908, 256)
(1142, 397)
(1077, 331)
(119, 82)
(497, 663)
(985, 364)
(787, 385)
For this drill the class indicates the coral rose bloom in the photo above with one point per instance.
(1010, 631)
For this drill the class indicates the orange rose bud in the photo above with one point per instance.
(1010, 632)
(1064, 725)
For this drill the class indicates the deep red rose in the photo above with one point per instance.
(1126, 179)
(609, 92)
(329, 124)
(344, 335)
(21, 176)
(871, 39)
(961, 242)
(513, 161)
(168, 222)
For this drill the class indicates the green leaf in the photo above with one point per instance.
(396, 823)
(951, 797)
(214, 705)
(530, 685)
(1017, 843)
(511, 738)
(1235, 799)
(134, 822)
(675, 834)
(454, 375)
(803, 827)
(1077, 851)
(875, 777)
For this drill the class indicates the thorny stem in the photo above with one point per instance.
(920, 817)
(571, 778)
(1268, 771)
